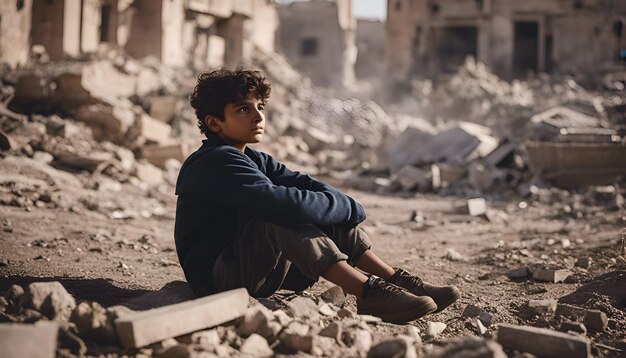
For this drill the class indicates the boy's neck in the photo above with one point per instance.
(239, 146)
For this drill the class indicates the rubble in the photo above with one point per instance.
(594, 320)
(541, 341)
(151, 326)
(49, 298)
(29, 340)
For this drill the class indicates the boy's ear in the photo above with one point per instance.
(213, 123)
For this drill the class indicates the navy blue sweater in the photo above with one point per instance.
(218, 181)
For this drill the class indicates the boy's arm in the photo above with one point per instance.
(233, 181)
(281, 175)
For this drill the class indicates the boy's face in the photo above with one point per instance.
(244, 122)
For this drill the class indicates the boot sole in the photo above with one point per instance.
(406, 316)
(449, 299)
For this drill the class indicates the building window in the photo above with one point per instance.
(19, 5)
(308, 47)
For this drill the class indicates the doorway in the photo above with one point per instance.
(525, 48)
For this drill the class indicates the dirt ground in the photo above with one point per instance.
(113, 246)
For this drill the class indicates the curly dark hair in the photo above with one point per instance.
(217, 88)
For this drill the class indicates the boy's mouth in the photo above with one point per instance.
(255, 129)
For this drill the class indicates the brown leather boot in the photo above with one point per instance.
(443, 296)
(392, 303)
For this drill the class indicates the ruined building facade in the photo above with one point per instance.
(429, 37)
(318, 38)
(198, 33)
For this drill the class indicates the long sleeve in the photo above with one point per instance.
(232, 179)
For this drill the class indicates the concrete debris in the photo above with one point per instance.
(549, 275)
(594, 320)
(334, 295)
(522, 272)
(256, 346)
(576, 327)
(433, 329)
(540, 307)
(296, 336)
(398, 347)
(305, 308)
(542, 342)
(51, 299)
(29, 340)
(151, 326)
(471, 311)
(471, 347)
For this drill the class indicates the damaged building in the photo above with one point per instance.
(430, 37)
(197, 33)
(318, 38)
(370, 43)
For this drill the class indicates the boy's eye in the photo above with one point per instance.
(243, 109)
(261, 107)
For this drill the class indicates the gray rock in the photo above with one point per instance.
(326, 310)
(583, 262)
(334, 295)
(333, 330)
(569, 326)
(471, 311)
(486, 318)
(540, 307)
(522, 272)
(256, 346)
(51, 299)
(257, 320)
(297, 337)
(303, 307)
(14, 295)
(207, 340)
(345, 313)
(92, 321)
(397, 347)
(472, 347)
(362, 340)
(433, 329)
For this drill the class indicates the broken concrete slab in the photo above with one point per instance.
(297, 337)
(106, 122)
(543, 342)
(549, 275)
(29, 340)
(140, 329)
(148, 173)
(447, 174)
(410, 177)
(594, 320)
(569, 326)
(260, 320)
(401, 149)
(456, 146)
(147, 130)
(474, 207)
(158, 154)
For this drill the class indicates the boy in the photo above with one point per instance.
(245, 220)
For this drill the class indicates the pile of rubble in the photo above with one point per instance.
(223, 325)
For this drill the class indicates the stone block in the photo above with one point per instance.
(433, 329)
(397, 347)
(256, 346)
(258, 320)
(521, 272)
(334, 295)
(543, 342)
(410, 178)
(163, 107)
(49, 298)
(594, 320)
(474, 207)
(333, 330)
(471, 311)
(583, 262)
(542, 306)
(296, 336)
(303, 307)
(29, 340)
(549, 275)
(149, 130)
(472, 347)
(158, 154)
(577, 327)
(106, 122)
(140, 329)
(148, 173)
